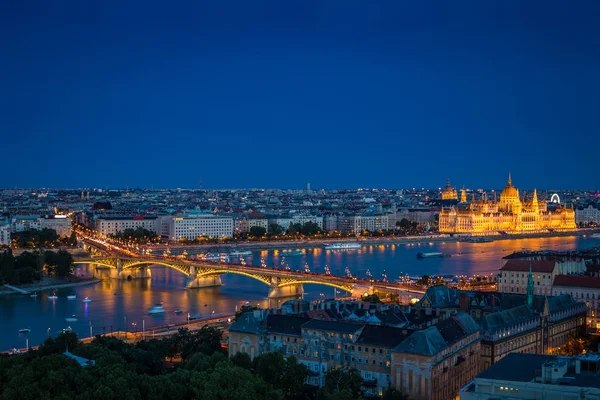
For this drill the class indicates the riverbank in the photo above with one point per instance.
(50, 283)
(294, 244)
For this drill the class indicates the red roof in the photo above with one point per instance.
(577, 281)
(523, 266)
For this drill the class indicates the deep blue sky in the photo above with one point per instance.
(275, 94)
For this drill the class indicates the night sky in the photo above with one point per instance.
(275, 94)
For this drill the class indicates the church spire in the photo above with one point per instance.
(463, 195)
(530, 287)
(509, 180)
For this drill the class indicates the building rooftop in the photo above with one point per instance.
(523, 265)
(334, 326)
(517, 367)
(577, 281)
(285, 324)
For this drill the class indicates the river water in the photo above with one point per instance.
(118, 305)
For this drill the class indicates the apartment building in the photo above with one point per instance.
(110, 225)
(209, 226)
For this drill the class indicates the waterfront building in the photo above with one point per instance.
(358, 223)
(210, 226)
(588, 215)
(60, 223)
(110, 225)
(510, 214)
(419, 215)
(22, 223)
(449, 192)
(4, 233)
(430, 364)
(330, 222)
(533, 376)
(585, 289)
(287, 220)
(514, 276)
(509, 322)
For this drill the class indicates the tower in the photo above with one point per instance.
(463, 195)
(530, 287)
(308, 186)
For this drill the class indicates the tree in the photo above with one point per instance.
(310, 228)
(574, 345)
(425, 280)
(276, 229)
(258, 231)
(242, 360)
(64, 263)
(371, 298)
(394, 394)
(403, 223)
(340, 379)
(7, 265)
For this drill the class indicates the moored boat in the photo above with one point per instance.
(24, 330)
(87, 300)
(71, 297)
(343, 246)
(157, 309)
(71, 319)
(430, 255)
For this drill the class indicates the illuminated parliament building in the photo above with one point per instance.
(511, 214)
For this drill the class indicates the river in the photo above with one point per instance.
(118, 305)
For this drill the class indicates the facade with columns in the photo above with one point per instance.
(511, 214)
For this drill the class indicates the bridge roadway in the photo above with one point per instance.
(126, 264)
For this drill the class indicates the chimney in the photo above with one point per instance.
(464, 302)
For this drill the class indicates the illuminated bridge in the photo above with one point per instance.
(126, 264)
(282, 283)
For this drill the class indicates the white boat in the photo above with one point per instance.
(33, 295)
(430, 255)
(291, 253)
(71, 319)
(87, 300)
(53, 297)
(157, 309)
(24, 330)
(240, 253)
(71, 297)
(596, 235)
(343, 246)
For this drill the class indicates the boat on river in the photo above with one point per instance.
(72, 318)
(343, 246)
(87, 300)
(157, 309)
(291, 253)
(238, 253)
(429, 255)
(53, 296)
(71, 297)
(24, 330)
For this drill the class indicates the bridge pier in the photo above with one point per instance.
(204, 282)
(286, 291)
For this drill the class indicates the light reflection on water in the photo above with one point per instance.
(116, 304)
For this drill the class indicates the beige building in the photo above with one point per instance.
(585, 289)
(430, 364)
(434, 363)
(514, 274)
(60, 223)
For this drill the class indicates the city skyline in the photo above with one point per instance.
(275, 95)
